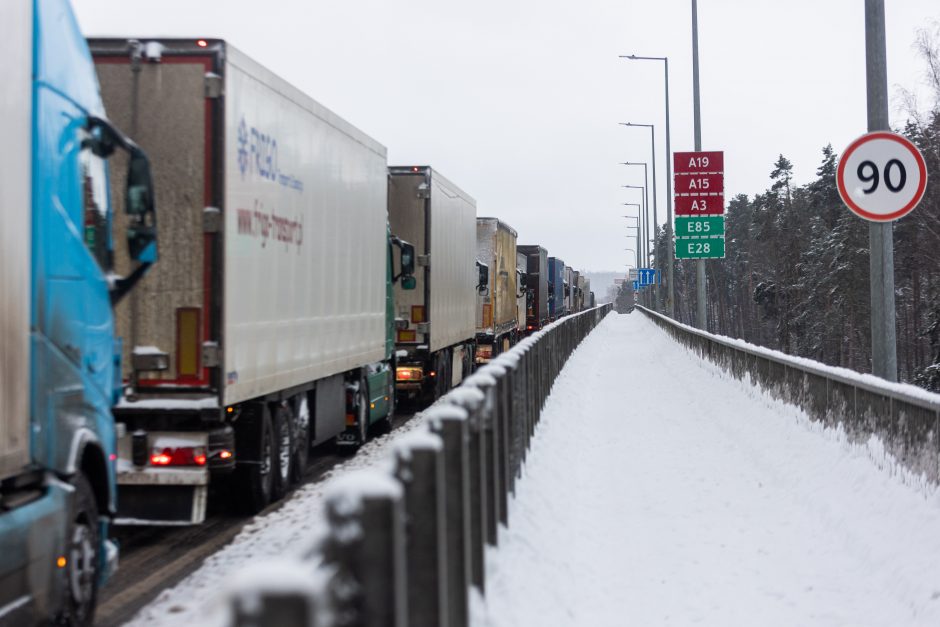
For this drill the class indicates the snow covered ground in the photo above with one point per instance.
(280, 537)
(661, 491)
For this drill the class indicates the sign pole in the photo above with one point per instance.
(670, 255)
(880, 234)
(702, 317)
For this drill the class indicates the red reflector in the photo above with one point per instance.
(182, 456)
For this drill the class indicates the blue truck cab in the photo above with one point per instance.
(59, 358)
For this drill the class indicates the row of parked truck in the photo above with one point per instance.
(303, 288)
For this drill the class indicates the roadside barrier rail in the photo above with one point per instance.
(905, 418)
(405, 545)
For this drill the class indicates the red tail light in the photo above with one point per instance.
(180, 456)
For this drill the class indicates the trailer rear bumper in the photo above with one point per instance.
(163, 478)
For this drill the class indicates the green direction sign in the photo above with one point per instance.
(700, 226)
(700, 247)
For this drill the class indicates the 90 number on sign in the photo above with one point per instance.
(881, 176)
(868, 172)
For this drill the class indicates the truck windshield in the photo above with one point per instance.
(95, 223)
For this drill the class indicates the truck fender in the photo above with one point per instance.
(87, 456)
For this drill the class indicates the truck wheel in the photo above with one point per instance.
(81, 570)
(283, 449)
(362, 412)
(301, 439)
(384, 425)
(260, 475)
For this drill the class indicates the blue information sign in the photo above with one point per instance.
(648, 276)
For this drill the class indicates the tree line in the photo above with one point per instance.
(796, 274)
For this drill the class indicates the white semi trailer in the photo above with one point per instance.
(267, 327)
(435, 322)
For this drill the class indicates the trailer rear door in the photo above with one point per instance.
(169, 109)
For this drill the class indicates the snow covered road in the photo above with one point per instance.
(661, 491)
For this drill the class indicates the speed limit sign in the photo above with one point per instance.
(881, 176)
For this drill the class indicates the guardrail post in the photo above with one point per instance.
(501, 424)
(366, 546)
(471, 399)
(419, 466)
(256, 602)
(450, 423)
(486, 383)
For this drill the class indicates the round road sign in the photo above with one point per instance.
(881, 176)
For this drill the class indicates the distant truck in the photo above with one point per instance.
(269, 327)
(537, 286)
(59, 357)
(575, 291)
(435, 322)
(522, 264)
(569, 273)
(556, 288)
(497, 318)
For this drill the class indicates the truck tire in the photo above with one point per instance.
(301, 438)
(258, 477)
(362, 412)
(283, 424)
(385, 425)
(82, 558)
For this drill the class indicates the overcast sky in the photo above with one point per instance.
(518, 102)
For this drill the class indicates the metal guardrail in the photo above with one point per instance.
(404, 545)
(906, 419)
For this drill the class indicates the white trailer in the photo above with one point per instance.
(435, 323)
(265, 324)
(16, 160)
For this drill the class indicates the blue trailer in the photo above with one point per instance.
(59, 357)
(556, 288)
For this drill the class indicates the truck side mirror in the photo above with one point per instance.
(407, 259)
(139, 200)
(483, 277)
(142, 231)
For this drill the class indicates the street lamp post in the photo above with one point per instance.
(646, 221)
(636, 235)
(656, 292)
(670, 253)
(639, 219)
(634, 256)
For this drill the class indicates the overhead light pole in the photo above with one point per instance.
(639, 219)
(655, 260)
(646, 221)
(670, 253)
